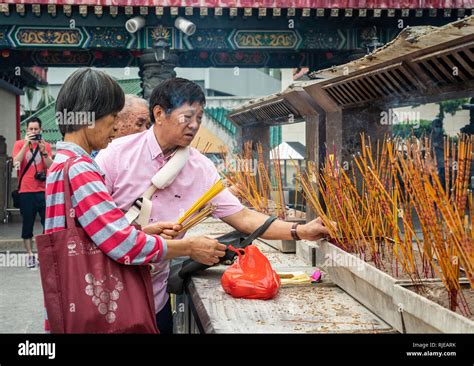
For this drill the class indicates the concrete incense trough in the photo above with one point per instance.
(370, 286)
(387, 297)
(422, 315)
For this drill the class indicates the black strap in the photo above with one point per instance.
(259, 231)
(34, 162)
(27, 166)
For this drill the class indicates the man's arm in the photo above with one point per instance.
(48, 160)
(19, 154)
(248, 221)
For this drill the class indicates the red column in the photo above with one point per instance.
(18, 113)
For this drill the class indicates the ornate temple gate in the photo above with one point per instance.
(229, 33)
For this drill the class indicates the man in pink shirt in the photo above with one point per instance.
(129, 163)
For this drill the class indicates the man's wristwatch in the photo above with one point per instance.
(294, 234)
(45, 154)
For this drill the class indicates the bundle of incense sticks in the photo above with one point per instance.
(279, 197)
(255, 186)
(197, 218)
(251, 188)
(217, 188)
(392, 185)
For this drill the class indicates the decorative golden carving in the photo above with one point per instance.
(160, 32)
(48, 37)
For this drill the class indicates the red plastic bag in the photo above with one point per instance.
(251, 276)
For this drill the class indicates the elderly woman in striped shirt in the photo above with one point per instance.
(87, 106)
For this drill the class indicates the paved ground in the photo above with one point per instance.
(21, 296)
(21, 300)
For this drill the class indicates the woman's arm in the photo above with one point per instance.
(105, 223)
(107, 226)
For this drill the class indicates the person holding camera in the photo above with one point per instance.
(31, 159)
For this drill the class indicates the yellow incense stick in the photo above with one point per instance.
(198, 218)
(205, 198)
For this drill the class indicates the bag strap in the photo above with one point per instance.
(261, 230)
(141, 207)
(28, 165)
(70, 223)
(34, 162)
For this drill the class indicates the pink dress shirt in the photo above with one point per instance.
(130, 162)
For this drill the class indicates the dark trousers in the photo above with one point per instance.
(31, 203)
(164, 319)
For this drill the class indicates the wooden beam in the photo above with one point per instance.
(334, 131)
(315, 150)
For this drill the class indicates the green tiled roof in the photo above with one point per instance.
(218, 115)
(131, 86)
(275, 136)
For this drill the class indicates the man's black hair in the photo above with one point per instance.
(33, 119)
(173, 93)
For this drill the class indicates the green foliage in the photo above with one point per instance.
(450, 106)
(408, 129)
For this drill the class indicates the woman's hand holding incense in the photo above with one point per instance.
(167, 230)
(170, 230)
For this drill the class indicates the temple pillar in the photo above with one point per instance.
(153, 72)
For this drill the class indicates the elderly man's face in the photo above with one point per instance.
(181, 125)
(132, 119)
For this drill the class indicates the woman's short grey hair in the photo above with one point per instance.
(87, 92)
